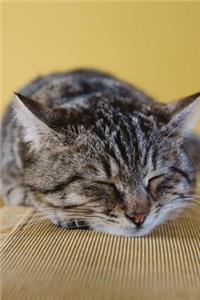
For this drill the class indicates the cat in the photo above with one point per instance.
(93, 152)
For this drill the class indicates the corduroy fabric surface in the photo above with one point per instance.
(41, 261)
(10, 217)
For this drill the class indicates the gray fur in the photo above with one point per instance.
(89, 150)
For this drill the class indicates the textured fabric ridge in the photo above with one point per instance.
(41, 261)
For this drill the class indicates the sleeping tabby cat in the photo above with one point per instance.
(91, 151)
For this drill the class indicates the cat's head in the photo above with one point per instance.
(108, 167)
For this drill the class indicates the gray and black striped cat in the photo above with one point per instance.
(91, 151)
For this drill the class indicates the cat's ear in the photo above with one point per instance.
(184, 114)
(37, 120)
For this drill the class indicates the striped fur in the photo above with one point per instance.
(88, 149)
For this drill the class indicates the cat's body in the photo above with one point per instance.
(86, 152)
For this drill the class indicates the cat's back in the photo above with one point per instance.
(59, 89)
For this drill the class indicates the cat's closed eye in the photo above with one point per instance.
(153, 183)
(118, 195)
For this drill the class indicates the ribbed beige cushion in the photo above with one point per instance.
(41, 261)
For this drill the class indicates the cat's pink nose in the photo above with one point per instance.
(137, 219)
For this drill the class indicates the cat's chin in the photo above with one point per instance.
(142, 232)
(126, 231)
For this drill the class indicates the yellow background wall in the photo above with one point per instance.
(153, 45)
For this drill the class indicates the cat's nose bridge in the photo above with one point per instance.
(136, 205)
